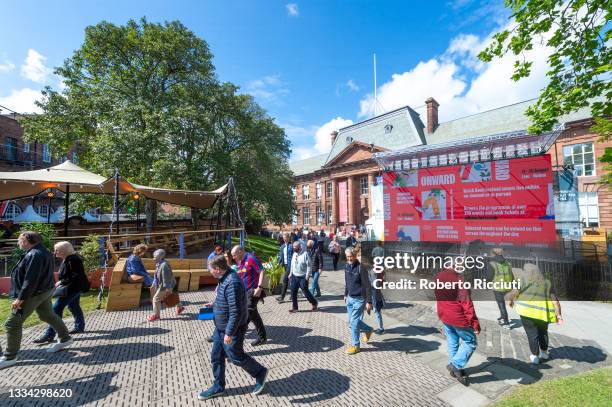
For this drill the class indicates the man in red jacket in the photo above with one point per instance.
(456, 311)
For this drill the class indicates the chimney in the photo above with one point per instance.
(334, 134)
(432, 114)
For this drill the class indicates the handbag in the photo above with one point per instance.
(60, 291)
(171, 300)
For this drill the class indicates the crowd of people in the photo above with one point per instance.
(240, 289)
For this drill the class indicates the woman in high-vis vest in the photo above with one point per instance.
(538, 306)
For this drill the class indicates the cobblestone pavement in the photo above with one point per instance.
(124, 360)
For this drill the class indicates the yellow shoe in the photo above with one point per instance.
(352, 350)
(367, 336)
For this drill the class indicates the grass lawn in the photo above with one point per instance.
(590, 389)
(264, 247)
(89, 301)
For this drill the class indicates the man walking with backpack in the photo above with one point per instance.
(500, 270)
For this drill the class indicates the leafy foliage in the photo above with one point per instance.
(90, 251)
(274, 271)
(47, 232)
(579, 33)
(143, 98)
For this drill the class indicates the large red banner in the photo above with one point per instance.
(494, 201)
(342, 202)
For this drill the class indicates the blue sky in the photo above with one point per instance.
(309, 63)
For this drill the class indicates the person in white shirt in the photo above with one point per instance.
(299, 276)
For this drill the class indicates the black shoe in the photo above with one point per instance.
(259, 341)
(456, 373)
(210, 339)
(76, 331)
(280, 300)
(43, 340)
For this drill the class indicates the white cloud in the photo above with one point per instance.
(22, 100)
(460, 82)
(34, 67)
(352, 86)
(323, 134)
(6, 66)
(292, 9)
(320, 135)
(267, 89)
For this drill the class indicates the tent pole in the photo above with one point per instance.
(117, 199)
(66, 209)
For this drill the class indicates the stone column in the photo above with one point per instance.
(370, 183)
(351, 200)
(334, 199)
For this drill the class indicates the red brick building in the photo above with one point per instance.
(333, 189)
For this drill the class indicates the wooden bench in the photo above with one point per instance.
(196, 240)
(123, 295)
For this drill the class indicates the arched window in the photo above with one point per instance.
(11, 212)
(43, 210)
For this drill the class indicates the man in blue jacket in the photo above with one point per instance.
(231, 319)
(32, 285)
(286, 253)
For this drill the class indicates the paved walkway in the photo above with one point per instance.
(123, 360)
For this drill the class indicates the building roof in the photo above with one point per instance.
(406, 130)
(501, 120)
(308, 165)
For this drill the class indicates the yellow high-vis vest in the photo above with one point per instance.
(535, 302)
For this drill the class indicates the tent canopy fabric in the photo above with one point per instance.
(14, 185)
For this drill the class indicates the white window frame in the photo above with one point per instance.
(75, 158)
(306, 215)
(293, 192)
(46, 153)
(364, 186)
(306, 192)
(588, 204)
(579, 167)
(44, 213)
(13, 210)
(26, 147)
(318, 190)
(330, 209)
(320, 215)
(329, 189)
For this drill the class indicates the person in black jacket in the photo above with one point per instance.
(31, 290)
(358, 297)
(231, 320)
(316, 256)
(73, 281)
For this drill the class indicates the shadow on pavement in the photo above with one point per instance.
(294, 339)
(585, 354)
(406, 342)
(306, 387)
(521, 372)
(123, 333)
(82, 390)
(94, 355)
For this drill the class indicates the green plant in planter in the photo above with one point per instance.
(46, 230)
(90, 252)
(274, 272)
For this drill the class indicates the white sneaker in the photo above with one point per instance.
(534, 359)
(4, 362)
(59, 345)
(543, 355)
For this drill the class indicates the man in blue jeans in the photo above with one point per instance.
(358, 296)
(456, 311)
(231, 319)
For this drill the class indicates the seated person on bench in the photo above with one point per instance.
(135, 267)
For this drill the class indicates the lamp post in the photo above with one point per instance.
(137, 199)
(50, 195)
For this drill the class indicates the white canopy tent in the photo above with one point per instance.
(69, 177)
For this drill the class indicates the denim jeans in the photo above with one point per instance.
(315, 289)
(73, 302)
(235, 353)
(461, 344)
(302, 284)
(355, 307)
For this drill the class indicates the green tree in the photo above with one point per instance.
(144, 98)
(578, 31)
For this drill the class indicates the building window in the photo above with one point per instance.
(589, 210)
(294, 192)
(75, 158)
(42, 210)
(306, 213)
(328, 190)
(329, 213)
(46, 153)
(11, 148)
(305, 192)
(582, 156)
(363, 185)
(388, 128)
(11, 212)
(294, 219)
(318, 190)
(320, 215)
(26, 147)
